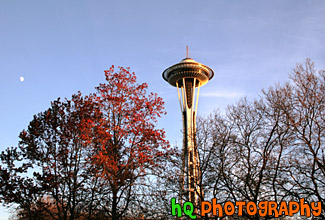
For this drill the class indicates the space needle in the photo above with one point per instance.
(188, 76)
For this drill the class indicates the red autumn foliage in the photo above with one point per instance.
(126, 143)
(86, 157)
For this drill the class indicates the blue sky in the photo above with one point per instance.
(61, 47)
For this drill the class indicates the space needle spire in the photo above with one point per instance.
(188, 76)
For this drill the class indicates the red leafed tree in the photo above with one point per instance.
(89, 157)
(126, 142)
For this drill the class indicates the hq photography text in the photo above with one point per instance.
(262, 208)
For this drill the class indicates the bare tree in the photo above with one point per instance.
(268, 149)
(303, 103)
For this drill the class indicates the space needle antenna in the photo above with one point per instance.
(187, 51)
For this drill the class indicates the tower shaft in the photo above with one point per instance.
(188, 98)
